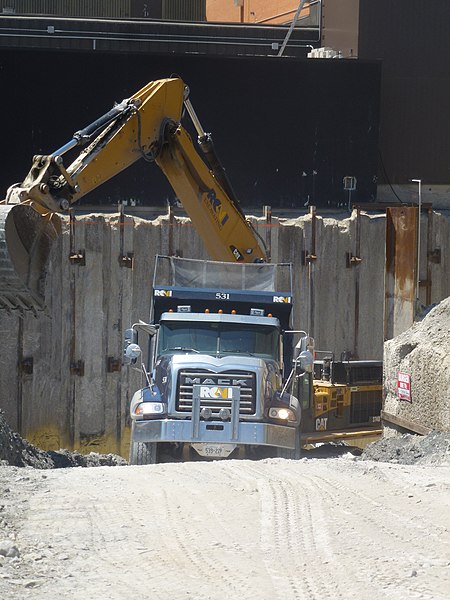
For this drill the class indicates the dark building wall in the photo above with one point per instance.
(67, 8)
(151, 9)
(183, 10)
(412, 39)
(272, 120)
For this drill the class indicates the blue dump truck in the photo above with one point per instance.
(220, 367)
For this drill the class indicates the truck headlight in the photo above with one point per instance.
(150, 409)
(283, 413)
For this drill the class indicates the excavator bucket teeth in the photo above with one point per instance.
(26, 236)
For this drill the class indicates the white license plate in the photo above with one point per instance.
(214, 450)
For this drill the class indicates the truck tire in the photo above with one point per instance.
(295, 453)
(143, 453)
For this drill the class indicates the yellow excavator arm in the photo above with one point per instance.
(147, 125)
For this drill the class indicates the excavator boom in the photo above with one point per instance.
(147, 125)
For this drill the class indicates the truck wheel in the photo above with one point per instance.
(143, 453)
(295, 453)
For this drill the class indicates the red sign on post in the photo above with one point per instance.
(404, 386)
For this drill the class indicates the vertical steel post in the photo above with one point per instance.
(171, 226)
(125, 260)
(72, 304)
(312, 212)
(400, 270)
(268, 218)
(357, 277)
(419, 182)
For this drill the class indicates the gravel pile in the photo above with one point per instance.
(331, 450)
(408, 449)
(17, 452)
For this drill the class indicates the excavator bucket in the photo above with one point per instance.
(26, 235)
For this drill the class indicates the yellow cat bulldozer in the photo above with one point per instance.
(345, 403)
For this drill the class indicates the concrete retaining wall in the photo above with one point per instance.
(52, 401)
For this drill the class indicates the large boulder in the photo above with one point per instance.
(422, 354)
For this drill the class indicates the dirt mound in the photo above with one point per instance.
(64, 458)
(17, 452)
(408, 449)
(422, 354)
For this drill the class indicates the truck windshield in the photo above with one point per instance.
(219, 339)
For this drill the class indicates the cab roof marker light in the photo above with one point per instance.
(233, 312)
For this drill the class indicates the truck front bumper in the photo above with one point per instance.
(214, 432)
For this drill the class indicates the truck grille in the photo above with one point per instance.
(244, 379)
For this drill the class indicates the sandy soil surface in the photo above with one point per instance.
(334, 528)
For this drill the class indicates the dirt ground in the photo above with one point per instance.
(328, 528)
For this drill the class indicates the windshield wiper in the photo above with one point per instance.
(181, 349)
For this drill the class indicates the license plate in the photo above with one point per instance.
(214, 450)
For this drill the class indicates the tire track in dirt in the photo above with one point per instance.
(367, 519)
(123, 554)
(206, 551)
(92, 546)
(380, 515)
(289, 524)
(274, 519)
(274, 529)
(335, 510)
(199, 543)
(353, 578)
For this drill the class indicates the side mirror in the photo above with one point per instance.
(130, 352)
(306, 360)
